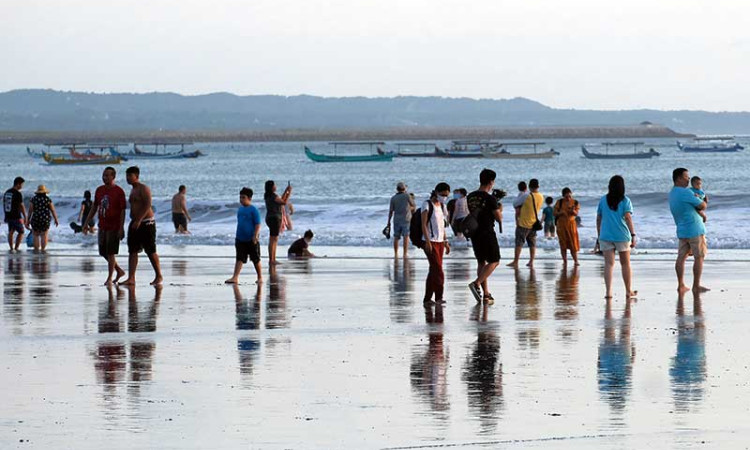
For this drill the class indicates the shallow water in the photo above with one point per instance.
(347, 204)
(338, 353)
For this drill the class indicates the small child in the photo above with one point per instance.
(696, 185)
(246, 241)
(548, 218)
(301, 247)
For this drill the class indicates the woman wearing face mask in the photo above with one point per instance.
(434, 218)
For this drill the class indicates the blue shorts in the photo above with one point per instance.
(400, 229)
(15, 225)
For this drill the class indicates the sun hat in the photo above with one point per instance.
(42, 189)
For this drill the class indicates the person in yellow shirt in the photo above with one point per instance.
(528, 216)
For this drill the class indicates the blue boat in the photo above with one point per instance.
(372, 157)
(711, 144)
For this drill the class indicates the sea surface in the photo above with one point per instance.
(346, 204)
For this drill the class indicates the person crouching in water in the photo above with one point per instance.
(434, 215)
(246, 240)
(300, 248)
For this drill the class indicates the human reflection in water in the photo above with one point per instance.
(566, 303)
(88, 266)
(429, 365)
(401, 300)
(276, 312)
(615, 359)
(247, 318)
(40, 287)
(688, 369)
(110, 359)
(528, 309)
(483, 373)
(142, 319)
(179, 268)
(13, 283)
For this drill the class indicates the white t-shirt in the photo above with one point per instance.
(461, 209)
(436, 225)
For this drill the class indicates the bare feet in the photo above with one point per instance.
(231, 281)
(513, 264)
(682, 289)
(632, 294)
(157, 281)
(577, 264)
(120, 273)
(701, 289)
(608, 296)
(108, 282)
(128, 282)
(259, 281)
(530, 264)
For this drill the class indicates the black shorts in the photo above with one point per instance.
(142, 238)
(274, 225)
(486, 249)
(245, 249)
(179, 220)
(109, 242)
(15, 225)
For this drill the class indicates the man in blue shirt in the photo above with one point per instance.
(246, 240)
(691, 231)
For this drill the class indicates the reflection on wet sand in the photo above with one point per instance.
(687, 372)
(179, 268)
(429, 365)
(142, 320)
(615, 359)
(87, 265)
(566, 303)
(40, 287)
(277, 315)
(401, 301)
(247, 312)
(13, 283)
(528, 304)
(483, 373)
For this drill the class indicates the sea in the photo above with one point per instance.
(346, 204)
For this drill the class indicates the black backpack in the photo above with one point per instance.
(415, 226)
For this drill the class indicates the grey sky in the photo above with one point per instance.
(604, 54)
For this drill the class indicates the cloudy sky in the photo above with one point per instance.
(602, 54)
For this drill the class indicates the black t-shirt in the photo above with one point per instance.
(298, 247)
(486, 204)
(12, 201)
(86, 208)
(273, 209)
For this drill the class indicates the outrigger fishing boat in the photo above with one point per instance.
(377, 155)
(607, 155)
(503, 152)
(468, 149)
(68, 161)
(407, 150)
(137, 153)
(711, 144)
(59, 146)
(87, 152)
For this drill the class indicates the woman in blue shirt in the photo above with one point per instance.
(615, 231)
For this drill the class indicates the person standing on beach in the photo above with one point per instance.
(110, 204)
(528, 223)
(565, 213)
(458, 211)
(180, 214)
(83, 213)
(434, 220)
(15, 214)
(615, 232)
(246, 243)
(487, 210)
(274, 216)
(401, 207)
(691, 230)
(142, 228)
(41, 211)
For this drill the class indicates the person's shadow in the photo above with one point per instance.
(687, 370)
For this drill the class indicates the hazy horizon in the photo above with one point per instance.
(580, 54)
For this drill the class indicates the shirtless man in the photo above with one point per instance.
(180, 215)
(142, 229)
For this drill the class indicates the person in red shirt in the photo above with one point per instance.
(110, 204)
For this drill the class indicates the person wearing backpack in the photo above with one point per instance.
(479, 226)
(528, 223)
(434, 219)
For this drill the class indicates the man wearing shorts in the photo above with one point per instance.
(180, 214)
(691, 231)
(142, 229)
(402, 205)
(528, 215)
(246, 243)
(485, 207)
(15, 214)
(109, 203)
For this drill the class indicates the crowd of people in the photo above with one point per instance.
(470, 216)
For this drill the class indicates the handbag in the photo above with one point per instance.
(537, 225)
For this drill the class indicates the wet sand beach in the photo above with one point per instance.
(340, 353)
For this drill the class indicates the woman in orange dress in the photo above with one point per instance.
(566, 210)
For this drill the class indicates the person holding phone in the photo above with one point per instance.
(274, 215)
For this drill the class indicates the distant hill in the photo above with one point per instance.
(55, 111)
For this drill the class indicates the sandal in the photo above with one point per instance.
(489, 299)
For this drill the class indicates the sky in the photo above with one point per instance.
(583, 54)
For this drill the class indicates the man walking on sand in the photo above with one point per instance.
(402, 205)
(109, 202)
(528, 223)
(487, 210)
(142, 229)
(180, 214)
(691, 231)
(15, 213)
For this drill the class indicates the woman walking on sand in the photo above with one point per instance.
(41, 211)
(274, 216)
(615, 231)
(565, 212)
